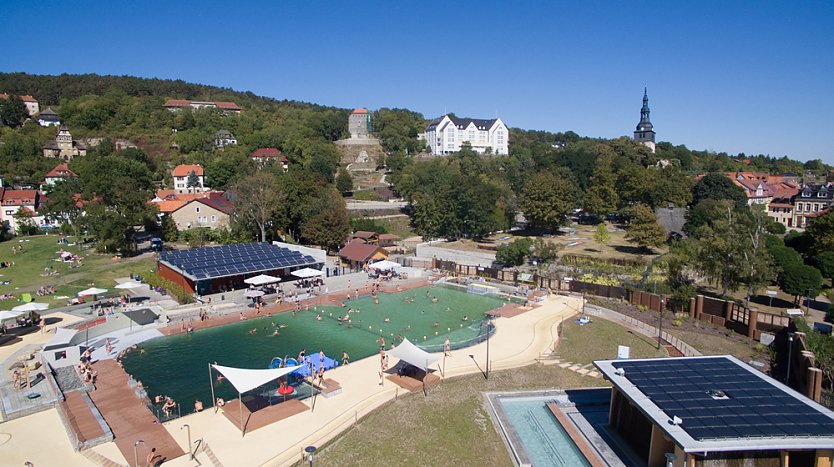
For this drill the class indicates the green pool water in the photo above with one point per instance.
(177, 366)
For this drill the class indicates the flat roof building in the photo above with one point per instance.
(714, 411)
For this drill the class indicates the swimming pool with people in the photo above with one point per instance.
(177, 366)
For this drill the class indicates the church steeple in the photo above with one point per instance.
(644, 133)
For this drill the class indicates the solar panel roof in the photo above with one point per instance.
(718, 399)
(230, 260)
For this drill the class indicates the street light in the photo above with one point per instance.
(135, 453)
(660, 323)
(808, 300)
(670, 459)
(790, 351)
(190, 451)
(310, 450)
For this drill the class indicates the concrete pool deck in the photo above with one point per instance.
(281, 443)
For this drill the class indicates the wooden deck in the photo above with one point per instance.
(590, 454)
(509, 311)
(258, 414)
(80, 418)
(128, 416)
(414, 384)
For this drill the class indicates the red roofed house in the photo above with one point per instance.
(177, 104)
(212, 210)
(266, 155)
(359, 124)
(59, 173)
(357, 255)
(32, 106)
(182, 173)
(21, 200)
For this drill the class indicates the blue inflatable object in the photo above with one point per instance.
(311, 364)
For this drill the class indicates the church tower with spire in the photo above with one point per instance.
(644, 134)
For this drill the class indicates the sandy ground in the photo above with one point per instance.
(518, 341)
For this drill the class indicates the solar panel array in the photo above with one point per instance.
(753, 408)
(230, 260)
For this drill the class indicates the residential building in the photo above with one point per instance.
(366, 236)
(212, 211)
(14, 201)
(446, 135)
(182, 173)
(175, 105)
(359, 124)
(357, 255)
(48, 118)
(645, 134)
(32, 106)
(264, 156)
(224, 138)
(780, 207)
(64, 147)
(811, 201)
(59, 173)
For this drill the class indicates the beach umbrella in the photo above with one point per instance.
(307, 272)
(262, 279)
(91, 291)
(129, 285)
(384, 265)
(253, 293)
(7, 315)
(31, 306)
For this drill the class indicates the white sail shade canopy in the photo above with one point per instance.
(414, 355)
(246, 380)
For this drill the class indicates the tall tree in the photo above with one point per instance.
(258, 198)
(548, 198)
(12, 111)
(65, 204)
(344, 182)
(326, 221)
(800, 280)
(718, 187)
(821, 233)
(193, 180)
(643, 228)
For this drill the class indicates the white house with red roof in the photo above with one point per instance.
(182, 173)
(265, 156)
(175, 105)
(59, 173)
(14, 201)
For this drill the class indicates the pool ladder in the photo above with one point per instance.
(547, 442)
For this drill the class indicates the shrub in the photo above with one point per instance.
(171, 288)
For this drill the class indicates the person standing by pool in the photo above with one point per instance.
(447, 348)
(345, 359)
(381, 342)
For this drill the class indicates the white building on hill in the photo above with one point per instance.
(446, 134)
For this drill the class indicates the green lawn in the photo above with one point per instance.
(450, 426)
(599, 340)
(710, 343)
(41, 252)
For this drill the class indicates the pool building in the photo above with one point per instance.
(218, 268)
(714, 411)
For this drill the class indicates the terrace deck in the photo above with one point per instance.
(258, 414)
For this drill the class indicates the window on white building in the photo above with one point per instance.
(197, 209)
(213, 219)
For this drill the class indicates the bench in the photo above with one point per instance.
(329, 388)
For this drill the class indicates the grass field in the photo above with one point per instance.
(715, 344)
(41, 252)
(599, 340)
(451, 424)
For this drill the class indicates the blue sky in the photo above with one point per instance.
(752, 76)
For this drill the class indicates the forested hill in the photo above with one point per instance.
(49, 90)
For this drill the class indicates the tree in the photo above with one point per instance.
(344, 182)
(545, 252)
(718, 187)
(326, 221)
(258, 197)
(169, 229)
(756, 257)
(643, 228)
(24, 225)
(513, 253)
(601, 234)
(65, 204)
(12, 111)
(193, 180)
(825, 264)
(601, 198)
(821, 233)
(800, 280)
(547, 198)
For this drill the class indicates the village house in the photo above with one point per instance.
(32, 106)
(28, 201)
(175, 105)
(64, 147)
(224, 138)
(181, 175)
(357, 255)
(447, 134)
(264, 156)
(811, 201)
(212, 210)
(48, 118)
(59, 173)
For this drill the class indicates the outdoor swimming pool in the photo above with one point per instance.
(177, 366)
(540, 434)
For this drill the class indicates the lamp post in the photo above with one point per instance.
(808, 300)
(190, 451)
(790, 352)
(310, 450)
(670, 459)
(660, 323)
(135, 452)
(489, 324)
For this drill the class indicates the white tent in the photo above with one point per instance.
(253, 293)
(384, 265)
(246, 380)
(129, 285)
(307, 272)
(262, 279)
(7, 315)
(31, 306)
(91, 291)
(414, 355)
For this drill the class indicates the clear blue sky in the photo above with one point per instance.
(754, 76)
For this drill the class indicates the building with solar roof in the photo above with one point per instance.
(219, 268)
(714, 411)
